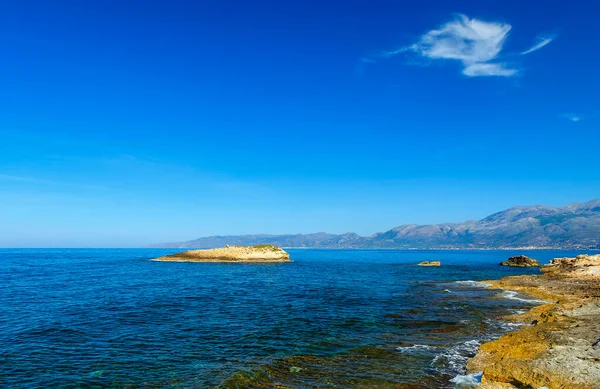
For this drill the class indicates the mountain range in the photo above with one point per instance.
(575, 226)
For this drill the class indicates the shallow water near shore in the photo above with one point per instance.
(113, 318)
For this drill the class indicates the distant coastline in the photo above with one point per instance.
(525, 248)
(572, 227)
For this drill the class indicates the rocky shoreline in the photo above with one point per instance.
(558, 346)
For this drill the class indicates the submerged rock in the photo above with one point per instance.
(521, 261)
(428, 263)
(246, 254)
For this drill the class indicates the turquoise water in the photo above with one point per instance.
(113, 318)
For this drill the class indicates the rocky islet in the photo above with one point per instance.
(241, 254)
(521, 261)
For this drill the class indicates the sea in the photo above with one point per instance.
(115, 318)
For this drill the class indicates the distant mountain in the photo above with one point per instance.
(575, 226)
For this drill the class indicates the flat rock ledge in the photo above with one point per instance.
(580, 267)
(558, 345)
(521, 261)
(429, 263)
(237, 254)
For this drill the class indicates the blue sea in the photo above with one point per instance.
(113, 318)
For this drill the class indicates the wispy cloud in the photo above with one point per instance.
(470, 41)
(8, 177)
(360, 67)
(488, 69)
(572, 117)
(541, 42)
(475, 43)
(41, 181)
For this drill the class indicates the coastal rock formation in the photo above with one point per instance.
(580, 267)
(558, 346)
(428, 263)
(247, 254)
(521, 261)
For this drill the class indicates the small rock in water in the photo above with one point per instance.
(432, 263)
(521, 261)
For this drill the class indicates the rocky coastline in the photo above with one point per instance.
(233, 254)
(558, 345)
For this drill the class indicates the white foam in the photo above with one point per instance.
(512, 295)
(467, 381)
(448, 291)
(477, 284)
(510, 326)
(455, 358)
(415, 348)
(518, 311)
(504, 325)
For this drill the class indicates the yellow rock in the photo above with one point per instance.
(432, 263)
(558, 346)
(245, 254)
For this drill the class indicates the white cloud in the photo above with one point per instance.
(475, 43)
(488, 69)
(572, 117)
(464, 39)
(541, 42)
(391, 53)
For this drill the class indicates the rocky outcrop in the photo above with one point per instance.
(521, 261)
(583, 267)
(245, 254)
(558, 346)
(430, 263)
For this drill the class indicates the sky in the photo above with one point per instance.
(128, 123)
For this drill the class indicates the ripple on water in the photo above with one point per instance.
(332, 318)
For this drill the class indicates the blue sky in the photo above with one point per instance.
(126, 123)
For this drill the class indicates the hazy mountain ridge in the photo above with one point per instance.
(576, 225)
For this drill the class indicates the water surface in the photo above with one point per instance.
(112, 318)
